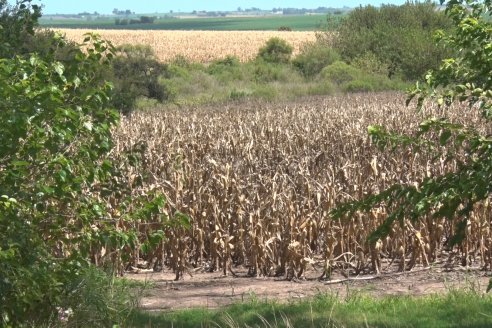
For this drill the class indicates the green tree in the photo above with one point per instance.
(399, 36)
(17, 23)
(63, 196)
(464, 78)
(136, 73)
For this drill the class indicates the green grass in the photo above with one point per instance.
(259, 80)
(297, 23)
(455, 309)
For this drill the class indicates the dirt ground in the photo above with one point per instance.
(212, 290)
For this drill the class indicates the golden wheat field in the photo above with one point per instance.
(198, 46)
(259, 180)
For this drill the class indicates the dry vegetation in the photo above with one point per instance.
(258, 182)
(198, 46)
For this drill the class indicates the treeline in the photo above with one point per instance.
(141, 20)
(303, 11)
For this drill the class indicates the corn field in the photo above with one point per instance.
(259, 180)
(197, 46)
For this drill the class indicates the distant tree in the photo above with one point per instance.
(147, 19)
(285, 28)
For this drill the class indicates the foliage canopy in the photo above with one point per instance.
(65, 201)
(401, 37)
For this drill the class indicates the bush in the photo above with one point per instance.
(314, 57)
(136, 74)
(352, 79)
(276, 50)
(370, 63)
(227, 65)
(264, 72)
(50, 44)
(358, 86)
(96, 299)
(340, 73)
(400, 37)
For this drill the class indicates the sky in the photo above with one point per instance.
(151, 6)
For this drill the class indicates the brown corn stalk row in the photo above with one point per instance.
(259, 180)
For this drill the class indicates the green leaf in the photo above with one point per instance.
(88, 126)
(59, 68)
(20, 163)
(444, 137)
(182, 219)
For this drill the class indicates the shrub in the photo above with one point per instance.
(314, 57)
(50, 44)
(401, 37)
(266, 92)
(352, 79)
(370, 63)
(228, 64)
(276, 50)
(358, 86)
(56, 142)
(264, 72)
(321, 88)
(340, 73)
(96, 299)
(136, 74)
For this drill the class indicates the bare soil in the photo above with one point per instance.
(213, 290)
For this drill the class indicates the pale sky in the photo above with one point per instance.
(151, 6)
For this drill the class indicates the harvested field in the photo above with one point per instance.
(258, 181)
(197, 46)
